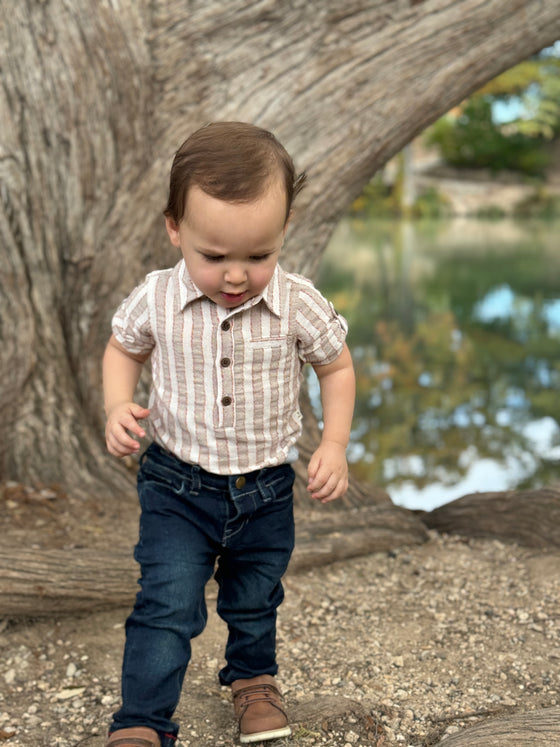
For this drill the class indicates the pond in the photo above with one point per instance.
(454, 332)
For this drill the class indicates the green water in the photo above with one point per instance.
(454, 332)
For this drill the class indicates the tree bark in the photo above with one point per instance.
(541, 727)
(94, 100)
(528, 517)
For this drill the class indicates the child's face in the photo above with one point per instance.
(231, 248)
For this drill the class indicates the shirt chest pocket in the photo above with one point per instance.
(271, 353)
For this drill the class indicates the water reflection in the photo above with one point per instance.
(454, 331)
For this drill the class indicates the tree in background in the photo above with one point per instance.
(473, 134)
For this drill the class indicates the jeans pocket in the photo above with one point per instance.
(153, 472)
(276, 484)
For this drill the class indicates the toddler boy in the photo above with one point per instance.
(228, 332)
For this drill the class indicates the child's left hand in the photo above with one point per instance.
(328, 472)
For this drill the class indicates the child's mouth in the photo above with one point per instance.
(234, 297)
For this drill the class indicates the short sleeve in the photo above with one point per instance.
(131, 322)
(321, 330)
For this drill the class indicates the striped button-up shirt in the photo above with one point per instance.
(225, 382)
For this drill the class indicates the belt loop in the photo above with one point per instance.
(266, 490)
(195, 479)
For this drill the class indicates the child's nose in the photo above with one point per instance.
(235, 274)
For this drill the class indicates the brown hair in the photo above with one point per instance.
(232, 161)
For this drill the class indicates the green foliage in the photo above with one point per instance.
(516, 80)
(536, 82)
(473, 140)
(491, 212)
(376, 200)
(379, 200)
(430, 203)
(541, 204)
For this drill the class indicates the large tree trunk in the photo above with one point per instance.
(95, 98)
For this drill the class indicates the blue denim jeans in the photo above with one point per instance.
(191, 519)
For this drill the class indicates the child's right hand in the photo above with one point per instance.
(120, 420)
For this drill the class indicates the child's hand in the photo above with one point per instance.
(121, 419)
(328, 472)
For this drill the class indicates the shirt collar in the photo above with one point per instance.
(188, 291)
(273, 295)
(275, 292)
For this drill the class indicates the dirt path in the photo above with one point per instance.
(390, 649)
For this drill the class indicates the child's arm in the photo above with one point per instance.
(328, 469)
(121, 372)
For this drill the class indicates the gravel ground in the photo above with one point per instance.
(389, 649)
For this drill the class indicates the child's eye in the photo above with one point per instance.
(213, 257)
(259, 257)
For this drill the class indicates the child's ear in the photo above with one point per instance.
(287, 223)
(173, 231)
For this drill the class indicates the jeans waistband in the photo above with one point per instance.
(198, 477)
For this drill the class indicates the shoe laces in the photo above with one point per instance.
(263, 693)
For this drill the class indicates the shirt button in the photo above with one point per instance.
(240, 482)
(226, 325)
(225, 362)
(226, 401)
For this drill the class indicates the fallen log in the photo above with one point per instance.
(528, 517)
(42, 582)
(38, 583)
(532, 729)
(325, 537)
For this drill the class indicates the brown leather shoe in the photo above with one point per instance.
(137, 736)
(258, 708)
